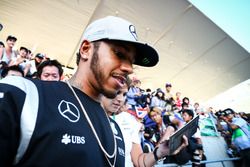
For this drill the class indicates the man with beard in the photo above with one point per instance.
(63, 124)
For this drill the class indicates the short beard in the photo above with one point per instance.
(97, 72)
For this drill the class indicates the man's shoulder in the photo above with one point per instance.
(26, 84)
(16, 81)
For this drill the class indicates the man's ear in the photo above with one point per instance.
(85, 50)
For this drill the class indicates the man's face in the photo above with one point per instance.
(185, 107)
(113, 106)
(38, 59)
(168, 88)
(229, 117)
(196, 106)
(23, 54)
(11, 43)
(222, 118)
(50, 73)
(111, 64)
(178, 94)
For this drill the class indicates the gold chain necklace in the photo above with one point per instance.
(107, 155)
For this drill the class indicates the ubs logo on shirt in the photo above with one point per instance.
(67, 139)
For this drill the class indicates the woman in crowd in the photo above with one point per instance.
(158, 100)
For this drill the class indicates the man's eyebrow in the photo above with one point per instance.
(123, 45)
(120, 44)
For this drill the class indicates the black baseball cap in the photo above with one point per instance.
(10, 37)
(24, 48)
(39, 55)
(168, 85)
(228, 111)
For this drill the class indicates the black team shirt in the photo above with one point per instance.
(42, 125)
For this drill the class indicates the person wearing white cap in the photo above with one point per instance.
(63, 123)
(240, 135)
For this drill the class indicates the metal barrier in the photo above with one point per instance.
(221, 162)
(202, 162)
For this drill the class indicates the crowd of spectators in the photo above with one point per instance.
(164, 115)
(164, 110)
(23, 62)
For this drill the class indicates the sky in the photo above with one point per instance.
(232, 16)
